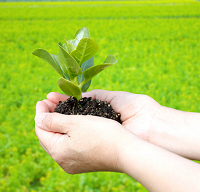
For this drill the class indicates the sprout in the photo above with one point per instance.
(75, 63)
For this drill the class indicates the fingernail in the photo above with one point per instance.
(48, 95)
(39, 119)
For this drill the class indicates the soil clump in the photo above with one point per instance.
(87, 106)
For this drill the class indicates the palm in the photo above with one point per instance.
(137, 111)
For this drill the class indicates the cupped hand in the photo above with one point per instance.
(78, 143)
(137, 111)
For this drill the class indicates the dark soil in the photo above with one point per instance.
(87, 106)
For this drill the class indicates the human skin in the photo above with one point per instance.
(82, 144)
(174, 130)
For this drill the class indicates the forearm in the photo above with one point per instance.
(158, 169)
(178, 132)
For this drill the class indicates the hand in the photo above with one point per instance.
(137, 111)
(86, 143)
(174, 130)
(79, 143)
(82, 144)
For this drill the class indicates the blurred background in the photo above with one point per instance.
(156, 43)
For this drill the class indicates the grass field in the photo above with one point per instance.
(156, 43)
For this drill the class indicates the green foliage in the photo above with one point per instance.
(75, 59)
(93, 71)
(51, 59)
(69, 88)
(157, 46)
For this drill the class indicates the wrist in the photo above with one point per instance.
(129, 151)
(148, 163)
(177, 131)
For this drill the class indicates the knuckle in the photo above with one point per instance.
(49, 121)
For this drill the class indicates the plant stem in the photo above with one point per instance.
(75, 80)
(78, 97)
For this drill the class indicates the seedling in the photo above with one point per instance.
(75, 63)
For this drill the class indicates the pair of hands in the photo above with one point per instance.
(88, 143)
(82, 144)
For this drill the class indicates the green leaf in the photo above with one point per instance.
(62, 45)
(110, 59)
(81, 33)
(50, 58)
(86, 86)
(65, 75)
(68, 64)
(62, 61)
(69, 47)
(69, 88)
(87, 64)
(74, 42)
(84, 50)
(93, 71)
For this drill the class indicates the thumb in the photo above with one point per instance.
(52, 122)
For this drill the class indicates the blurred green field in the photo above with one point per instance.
(156, 43)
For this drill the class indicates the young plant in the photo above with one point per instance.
(75, 63)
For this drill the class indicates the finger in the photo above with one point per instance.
(101, 94)
(50, 104)
(45, 137)
(42, 135)
(115, 98)
(122, 102)
(56, 97)
(59, 123)
(41, 107)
